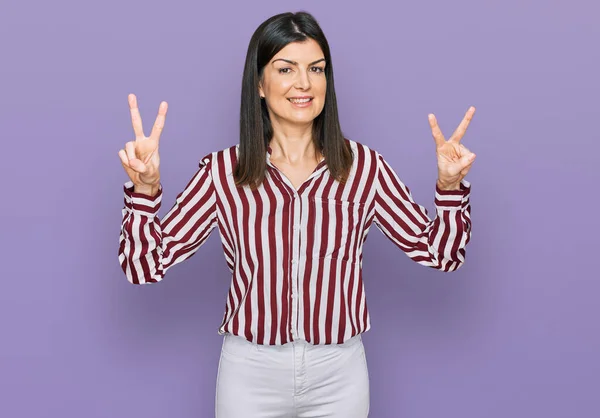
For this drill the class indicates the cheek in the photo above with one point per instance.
(321, 87)
(281, 87)
(321, 102)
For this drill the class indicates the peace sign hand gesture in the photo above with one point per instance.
(140, 158)
(454, 159)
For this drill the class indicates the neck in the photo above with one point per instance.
(293, 143)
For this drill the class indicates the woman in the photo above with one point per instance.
(293, 203)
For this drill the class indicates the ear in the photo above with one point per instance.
(261, 93)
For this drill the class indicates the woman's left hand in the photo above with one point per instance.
(454, 159)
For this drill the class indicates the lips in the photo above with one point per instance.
(300, 100)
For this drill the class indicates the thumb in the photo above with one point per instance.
(467, 159)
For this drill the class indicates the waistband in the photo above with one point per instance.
(242, 341)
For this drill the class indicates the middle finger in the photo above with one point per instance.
(464, 124)
(159, 123)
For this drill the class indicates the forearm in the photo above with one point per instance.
(447, 243)
(438, 243)
(149, 245)
(141, 236)
(452, 225)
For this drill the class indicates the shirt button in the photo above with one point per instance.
(295, 227)
(293, 261)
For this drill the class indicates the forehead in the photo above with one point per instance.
(301, 52)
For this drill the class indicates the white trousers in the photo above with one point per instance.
(294, 380)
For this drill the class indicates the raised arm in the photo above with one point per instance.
(439, 243)
(148, 246)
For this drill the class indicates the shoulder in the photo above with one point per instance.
(225, 156)
(362, 153)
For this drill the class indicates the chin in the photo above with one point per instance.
(302, 121)
(306, 118)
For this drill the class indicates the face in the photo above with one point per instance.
(294, 84)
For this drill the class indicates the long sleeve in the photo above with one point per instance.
(439, 243)
(149, 246)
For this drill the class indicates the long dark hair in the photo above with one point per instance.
(255, 126)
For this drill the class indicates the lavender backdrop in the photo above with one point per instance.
(514, 332)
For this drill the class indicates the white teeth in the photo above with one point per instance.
(299, 100)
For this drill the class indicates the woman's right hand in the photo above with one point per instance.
(140, 157)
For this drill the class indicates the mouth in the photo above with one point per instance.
(300, 100)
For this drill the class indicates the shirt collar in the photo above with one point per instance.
(318, 169)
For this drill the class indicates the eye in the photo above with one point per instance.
(318, 69)
(283, 70)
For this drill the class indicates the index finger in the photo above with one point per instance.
(436, 131)
(464, 124)
(136, 118)
(159, 123)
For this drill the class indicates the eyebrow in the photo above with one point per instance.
(295, 63)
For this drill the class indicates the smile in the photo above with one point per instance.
(300, 101)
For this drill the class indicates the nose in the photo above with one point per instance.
(302, 80)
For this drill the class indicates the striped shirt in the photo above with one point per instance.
(295, 255)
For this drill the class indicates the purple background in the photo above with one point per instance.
(515, 332)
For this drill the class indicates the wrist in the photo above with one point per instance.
(147, 189)
(442, 185)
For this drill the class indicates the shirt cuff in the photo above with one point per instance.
(449, 199)
(141, 203)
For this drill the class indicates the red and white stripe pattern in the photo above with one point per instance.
(295, 255)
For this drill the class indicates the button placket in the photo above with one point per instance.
(297, 205)
(295, 269)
